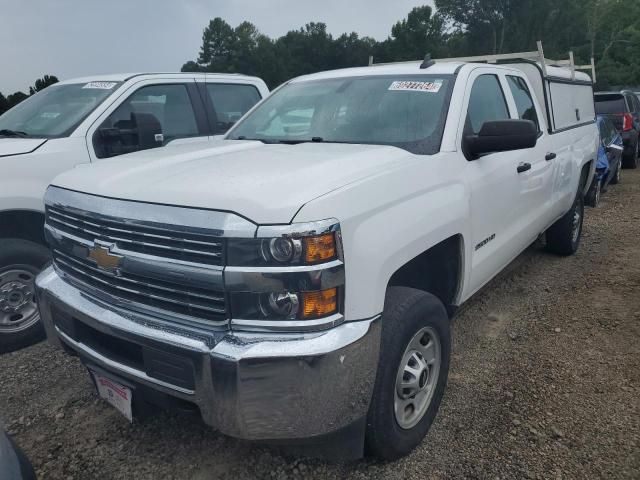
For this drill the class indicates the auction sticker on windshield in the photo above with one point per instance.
(101, 85)
(117, 395)
(407, 86)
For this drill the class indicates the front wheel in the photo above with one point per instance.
(563, 237)
(412, 372)
(20, 263)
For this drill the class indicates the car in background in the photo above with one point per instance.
(14, 465)
(609, 163)
(623, 109)
(87, 120)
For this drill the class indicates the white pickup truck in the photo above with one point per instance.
(296, 283)
(86, 120)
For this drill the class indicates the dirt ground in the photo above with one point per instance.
(544, 383)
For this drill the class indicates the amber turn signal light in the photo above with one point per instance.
(320, 248)
(319, 304)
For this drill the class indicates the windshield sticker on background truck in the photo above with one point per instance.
(101, 85)
(406, 86)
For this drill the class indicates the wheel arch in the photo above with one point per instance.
(24, 224)
(588, 169)
(439, 270)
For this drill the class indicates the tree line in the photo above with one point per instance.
(15, 98)
(608, 30)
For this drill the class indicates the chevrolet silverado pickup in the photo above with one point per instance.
(295, 284)
(87, 120)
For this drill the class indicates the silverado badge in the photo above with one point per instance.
(104, 259)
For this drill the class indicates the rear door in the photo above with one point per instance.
(536, 183)
(227, 102)
(150, 114)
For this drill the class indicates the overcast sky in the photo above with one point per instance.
(71, 38)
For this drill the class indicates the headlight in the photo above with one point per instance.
(288, 277)
(284, 245)
(286, 305)
(281, 250)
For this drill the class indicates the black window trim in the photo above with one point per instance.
(212, 115)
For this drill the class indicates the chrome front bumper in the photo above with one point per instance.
(247, 385)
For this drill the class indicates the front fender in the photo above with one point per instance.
(387, 221)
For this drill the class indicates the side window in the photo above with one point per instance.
(231, 102)
(151, 117)
(522, 97)
(486, 103)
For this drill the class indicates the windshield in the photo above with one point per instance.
(55, 111)
(613, 103)
(406, 111)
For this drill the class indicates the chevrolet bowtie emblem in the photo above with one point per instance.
(104, 259)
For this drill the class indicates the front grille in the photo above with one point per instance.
(198, 303)
(160, 241)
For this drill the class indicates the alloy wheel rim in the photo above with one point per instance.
(417, 377)
(18, 309)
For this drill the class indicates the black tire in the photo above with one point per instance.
(406, 312)
(631, 161)
(562, 236)
(615, 179)
(31, 257)
(592, 198)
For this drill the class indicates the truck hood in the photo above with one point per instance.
(265, 183)
(17, 146)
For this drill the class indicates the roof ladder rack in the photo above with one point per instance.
(535, 55)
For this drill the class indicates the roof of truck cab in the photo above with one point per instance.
(439, 68)
(409, 68)
(123, 77)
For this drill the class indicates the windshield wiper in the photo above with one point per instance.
(282, 141)
(13, 133)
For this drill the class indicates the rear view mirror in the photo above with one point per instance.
(140, 132)
(501, 136)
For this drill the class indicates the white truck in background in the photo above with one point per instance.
(86, 120)
(296, 282)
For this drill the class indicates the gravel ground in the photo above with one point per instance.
(544, 383)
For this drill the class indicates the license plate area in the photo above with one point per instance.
(117, 395)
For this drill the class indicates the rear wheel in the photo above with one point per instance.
(616, 176)
(20, 263)
(632, 160)
(563, 237)
(412, 372)
(592, 198)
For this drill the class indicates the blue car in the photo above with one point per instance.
(609, 161)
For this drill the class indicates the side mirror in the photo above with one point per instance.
(501, 136)
(107, 142)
